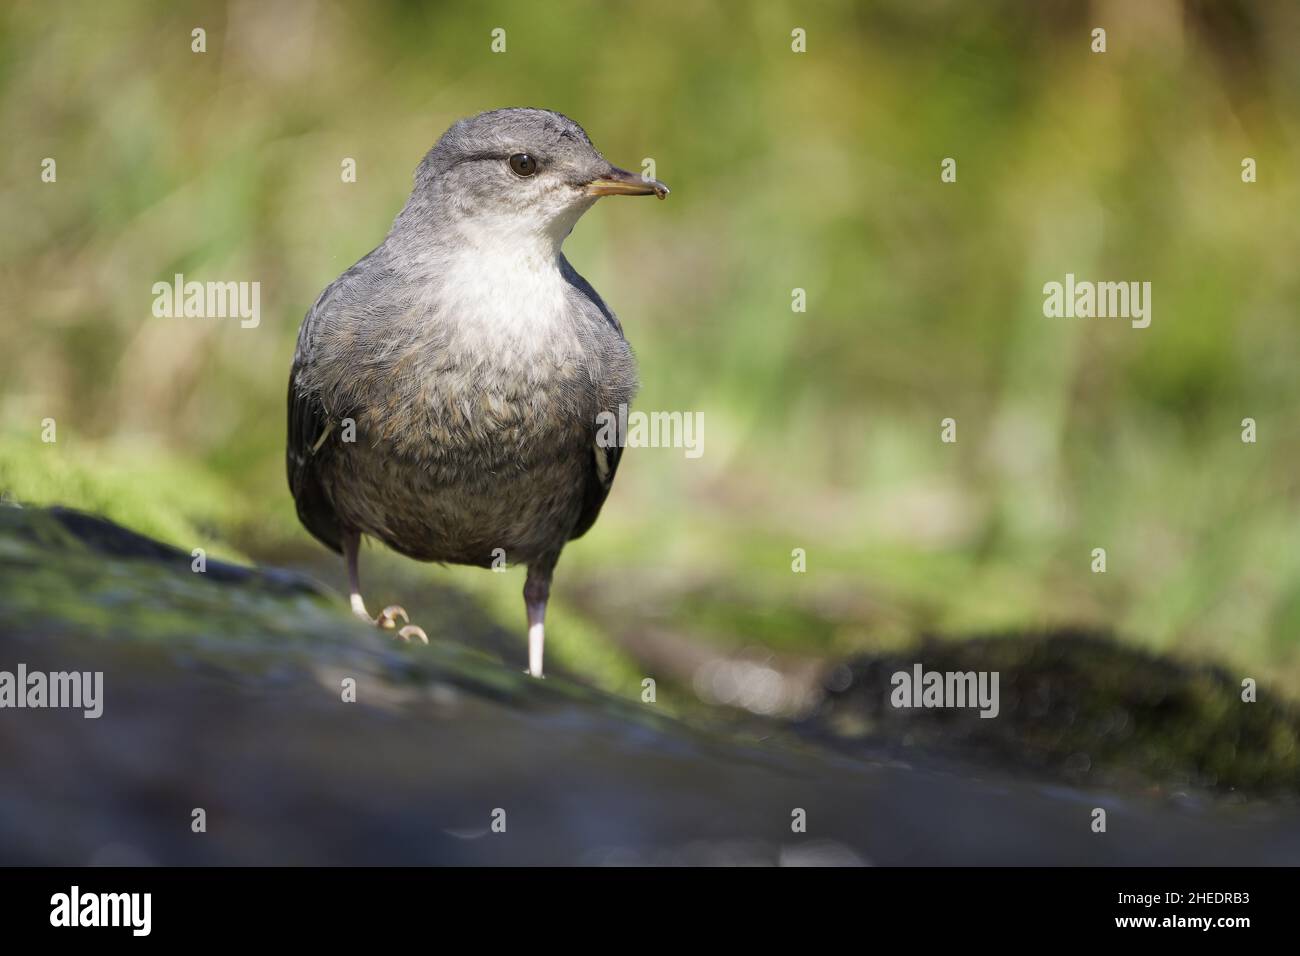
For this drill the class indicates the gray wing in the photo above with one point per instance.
(311, 442)
(307, 448)
(599, 479)
(602, 465)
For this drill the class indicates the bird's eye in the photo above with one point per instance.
(523, 164)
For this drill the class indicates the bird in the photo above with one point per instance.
(446, 390)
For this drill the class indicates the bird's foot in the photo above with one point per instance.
(389, 617)
(410, 631)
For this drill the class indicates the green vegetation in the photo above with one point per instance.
(817, 171)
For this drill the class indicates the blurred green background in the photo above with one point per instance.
(817, 171)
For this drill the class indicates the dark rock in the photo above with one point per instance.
(1082, 708)
(224, 693)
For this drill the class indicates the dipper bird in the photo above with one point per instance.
(447, 391)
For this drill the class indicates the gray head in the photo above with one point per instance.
(515, 174)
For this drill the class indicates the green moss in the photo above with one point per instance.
(141, 487)
(1084, 708)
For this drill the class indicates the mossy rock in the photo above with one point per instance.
(1083, 708)
(223, 691)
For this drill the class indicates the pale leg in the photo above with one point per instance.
(537, 589)
(389, 615)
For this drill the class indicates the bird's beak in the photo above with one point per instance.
(619, 182)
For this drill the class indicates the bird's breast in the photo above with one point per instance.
(502, 374)
(514, 306)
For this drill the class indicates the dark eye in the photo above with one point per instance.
(523, 164)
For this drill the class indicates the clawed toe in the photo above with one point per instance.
(388, 620)
(388, 617)
(410, 631)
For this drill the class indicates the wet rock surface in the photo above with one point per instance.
(224, 691)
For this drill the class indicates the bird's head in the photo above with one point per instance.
(517, 175)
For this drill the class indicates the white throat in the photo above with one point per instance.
(511, 294)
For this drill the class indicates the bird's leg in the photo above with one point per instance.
(537, 588)
(351, 545)
(389, 615)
